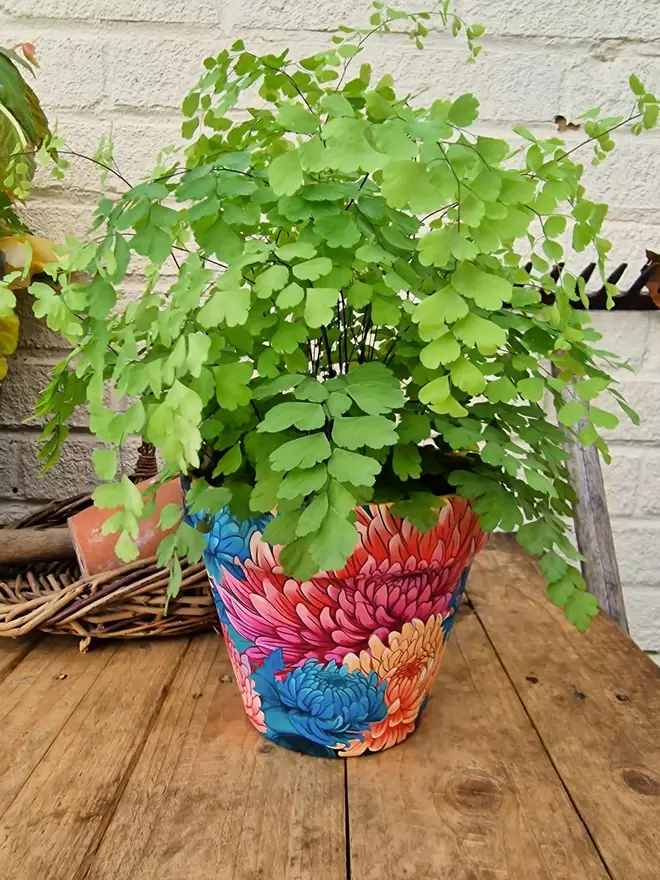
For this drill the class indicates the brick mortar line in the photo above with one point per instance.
(132, 114)
(71, 194)
(636, 521)
(31, 355)
(97, 28)
(20, 432)
(645, 588)
(137, 115)
(621, 446)
(636, 378)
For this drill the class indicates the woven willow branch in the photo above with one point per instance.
(127, 603)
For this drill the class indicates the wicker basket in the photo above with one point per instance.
(127, 603)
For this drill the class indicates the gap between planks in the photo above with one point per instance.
(347, 820)
(12, 655)
(36, 703)
(594, 699)
(86, 864)
(72, 775)
(481, 608)
(211, 798)
(536, 730)
(471, 795)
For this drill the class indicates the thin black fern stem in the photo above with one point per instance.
(390, 350)
(372, 352)
(345, 330)
(317, 358)
(354, 345)
(328, 351)
(366, 324)
(352, 201)
(340, 356)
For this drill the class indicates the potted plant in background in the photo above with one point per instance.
(355, 341)
(25, 141)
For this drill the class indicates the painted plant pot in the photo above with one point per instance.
(342, 664)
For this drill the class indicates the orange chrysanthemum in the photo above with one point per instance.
(409, 664)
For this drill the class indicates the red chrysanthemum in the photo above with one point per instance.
(395, 575)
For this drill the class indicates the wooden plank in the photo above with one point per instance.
(12, 652)
(594, 699)
(62, 810)
(472, 794)
(593, 530)
(23, 546)
(212, 799)
(36, 700)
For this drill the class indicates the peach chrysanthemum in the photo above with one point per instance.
(409, 664)
(243, 675)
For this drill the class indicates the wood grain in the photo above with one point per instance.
(36, 700)
(594, 699)
(472, 794)
(212, 799)
(13, 651)
(140, 764)
(20, 546)
(593, 529)
(62, 809)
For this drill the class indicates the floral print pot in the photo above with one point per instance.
(342, 664)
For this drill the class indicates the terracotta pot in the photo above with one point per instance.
(343, 664)
(96, 551)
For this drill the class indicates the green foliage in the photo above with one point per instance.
(25, 142)
(357, 299)
(23, 130)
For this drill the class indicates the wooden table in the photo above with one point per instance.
(539, 757)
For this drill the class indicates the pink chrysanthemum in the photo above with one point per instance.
(242, 673)
(396, 575)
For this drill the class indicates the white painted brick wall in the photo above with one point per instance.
(126, 63)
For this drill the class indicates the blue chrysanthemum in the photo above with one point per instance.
(325, 705)
(455, 603)
(227, 539)
(422, 709)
